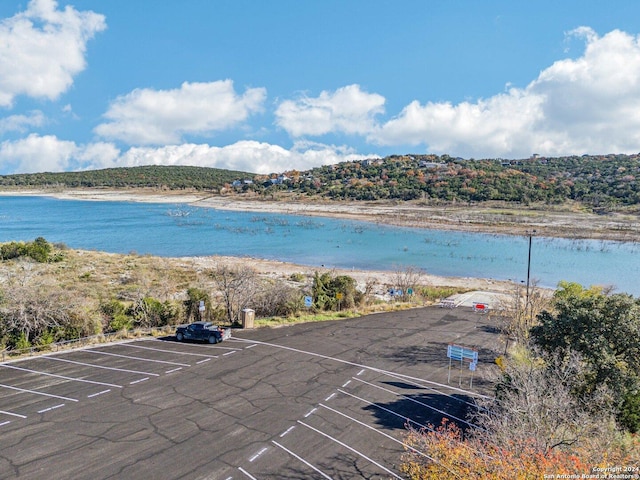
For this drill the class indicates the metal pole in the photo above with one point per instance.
(526, 304)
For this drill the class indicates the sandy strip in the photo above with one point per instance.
(380, 280)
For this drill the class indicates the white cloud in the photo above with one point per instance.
(49, 154)
(590, 104)
(36, 153)
(20, 123)
(155, 117)
(247, 156)
(348, 109)
(42, 48)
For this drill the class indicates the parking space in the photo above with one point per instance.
(44, 383)
(325, 400)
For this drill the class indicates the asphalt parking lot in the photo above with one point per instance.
(312, 401)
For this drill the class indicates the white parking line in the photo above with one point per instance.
(330, 397)
(100, 366)
(346, 383)
(173, 370)
(406, 379)
(13, 414)
(137, 358)
(309, 413)
(255, 457)
(99, 393)
(288, 430)
(247, 473)
(379, 431)
(133, 345)
(364, 367)
(447, 414)
(51, 408)
(199, 345)
(60, 376)
(5, 423)
(251, 346)
(138, 381)
(203, 360)
(35, 392)
(406, 419)
(351, 449)
(229, 353)
(302, 460)
(361, 372)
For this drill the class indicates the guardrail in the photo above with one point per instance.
(84, 341)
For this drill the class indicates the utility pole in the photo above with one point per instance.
(526, 304)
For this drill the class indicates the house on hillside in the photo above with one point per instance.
(279, 180)
(370, 162)
(431, 165)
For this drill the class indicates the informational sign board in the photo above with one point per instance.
(308, 302)
(201, 307)
(458, 352)
(462, 354)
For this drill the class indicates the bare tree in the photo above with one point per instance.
(277, 298)
(34, 303)
(518, 313)
(535, 406)
(237, 286)
(406, 278)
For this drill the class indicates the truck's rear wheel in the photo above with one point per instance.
(213, 339)
(179, 336)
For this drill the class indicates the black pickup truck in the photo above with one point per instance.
(202, 331)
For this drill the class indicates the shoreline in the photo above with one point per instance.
(501, 219)
(412, 216)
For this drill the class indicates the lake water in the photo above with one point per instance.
(177, 230)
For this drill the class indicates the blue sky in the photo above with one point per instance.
(269, 86)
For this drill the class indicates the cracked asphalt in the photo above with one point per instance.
(320, 400)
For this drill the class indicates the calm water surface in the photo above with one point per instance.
(177, 230)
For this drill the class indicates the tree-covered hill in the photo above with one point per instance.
(154, 176)
(599, 183)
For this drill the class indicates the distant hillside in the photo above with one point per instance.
(171, 177)
(598, 183)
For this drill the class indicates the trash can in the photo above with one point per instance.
(247, 318)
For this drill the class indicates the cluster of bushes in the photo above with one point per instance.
(39, 250)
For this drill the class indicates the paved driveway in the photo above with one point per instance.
(312, 401)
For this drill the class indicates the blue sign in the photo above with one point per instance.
(308, 301)
(457, 352)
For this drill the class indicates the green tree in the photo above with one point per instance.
(39, 250)
(604, 330)
(192, 304)
(335, 293)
